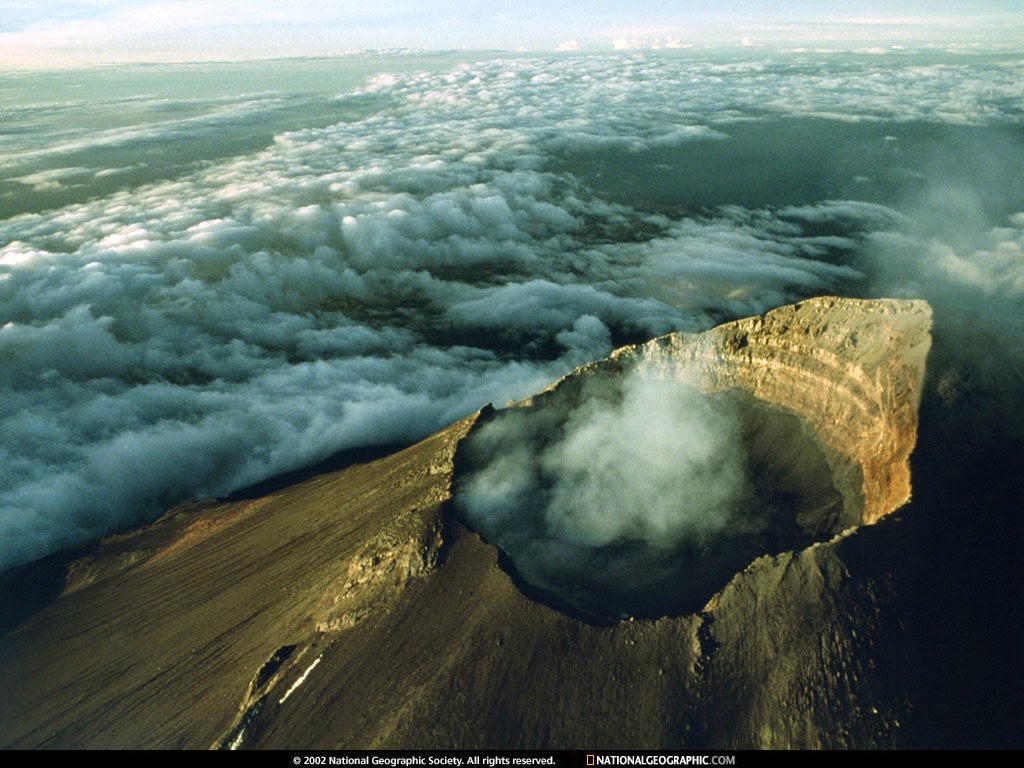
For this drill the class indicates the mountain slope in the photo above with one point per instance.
(355, 610)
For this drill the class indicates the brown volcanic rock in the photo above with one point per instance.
(852, 370)
(159, 648)
(351, 610)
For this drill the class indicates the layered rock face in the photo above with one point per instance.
(851, 370)
(355, 610)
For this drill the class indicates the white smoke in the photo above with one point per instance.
(581, 493)
(663, 463)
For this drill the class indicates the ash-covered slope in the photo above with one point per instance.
(355, 610)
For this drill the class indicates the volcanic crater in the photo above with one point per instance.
(814, 406)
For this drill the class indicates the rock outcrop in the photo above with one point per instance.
(353, 610)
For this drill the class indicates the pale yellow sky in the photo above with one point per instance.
(73, 32)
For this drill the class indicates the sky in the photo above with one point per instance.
(77, 32)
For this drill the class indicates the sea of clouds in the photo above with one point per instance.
(199, 293)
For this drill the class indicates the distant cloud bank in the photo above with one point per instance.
(186, 308)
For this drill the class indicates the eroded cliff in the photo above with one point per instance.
(851, 370)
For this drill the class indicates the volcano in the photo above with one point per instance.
(366, 608)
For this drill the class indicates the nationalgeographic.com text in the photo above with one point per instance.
(645, 760)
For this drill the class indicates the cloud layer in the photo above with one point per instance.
(221, 289)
